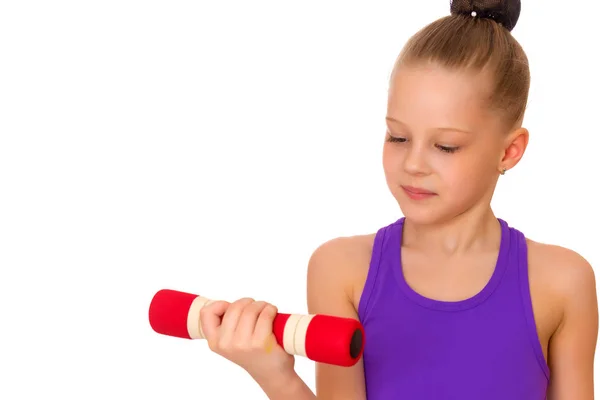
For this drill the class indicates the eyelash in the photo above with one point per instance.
(445, 149)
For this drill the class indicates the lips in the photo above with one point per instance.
(418, 191)
(417, 194)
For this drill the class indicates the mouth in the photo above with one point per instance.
(417, 193)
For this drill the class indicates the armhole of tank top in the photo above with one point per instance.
(523, 268)
(364, 305)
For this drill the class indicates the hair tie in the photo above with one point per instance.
(504, 12)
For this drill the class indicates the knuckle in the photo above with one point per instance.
(245, 300)
(271, 310)
(240, 346)
(255, 308)
(265, 315)
(216, 303)
(240, 304)
(259, 305)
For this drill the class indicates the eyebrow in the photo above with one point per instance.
(442, 128)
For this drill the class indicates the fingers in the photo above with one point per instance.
(231, 320)
(210, 319)
(243, 325)
(263, 330)
(248, 319)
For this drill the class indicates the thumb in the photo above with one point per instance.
(210, 318)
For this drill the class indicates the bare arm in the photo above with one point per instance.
(290, 387)
(572, 346)
(330, 280)
(329, 291)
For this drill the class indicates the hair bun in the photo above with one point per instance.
(505, 12)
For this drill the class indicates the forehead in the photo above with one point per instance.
(428, 95)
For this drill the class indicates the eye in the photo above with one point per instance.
(395, 139)
(447, 149)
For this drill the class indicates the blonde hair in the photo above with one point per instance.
(478, 39)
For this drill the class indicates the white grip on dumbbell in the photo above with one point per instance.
(294, 334)
(194, 325)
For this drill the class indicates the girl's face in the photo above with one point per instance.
(444, 147)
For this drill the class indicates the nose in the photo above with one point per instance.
(415, 161)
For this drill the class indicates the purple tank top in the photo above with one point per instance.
(484, 347)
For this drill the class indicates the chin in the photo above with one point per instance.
(424, 213)
(422, 216)
(430, 213)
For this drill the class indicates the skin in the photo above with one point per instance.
(442, 136)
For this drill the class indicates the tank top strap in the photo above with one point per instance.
(380, 276)
(521, 258)
(513, 291)
(516, 265)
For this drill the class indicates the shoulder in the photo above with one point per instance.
(344, 248)
(564, 274)
(565, 285)
(564, 270)
(339, 266)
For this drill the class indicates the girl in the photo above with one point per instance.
(456, 304)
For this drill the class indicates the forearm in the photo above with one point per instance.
(290, 387)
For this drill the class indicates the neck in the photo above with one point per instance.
(476, 229)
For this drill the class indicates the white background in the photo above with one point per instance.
(209, 147)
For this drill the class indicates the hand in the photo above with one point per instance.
(242, 332)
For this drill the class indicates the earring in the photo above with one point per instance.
(502, 171)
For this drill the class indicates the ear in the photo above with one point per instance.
(514, 148)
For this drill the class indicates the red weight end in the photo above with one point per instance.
(334, 340)
(168, 313)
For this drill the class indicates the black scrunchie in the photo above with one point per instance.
(505, 12)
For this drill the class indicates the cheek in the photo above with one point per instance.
(463, 175)
(390, 160)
